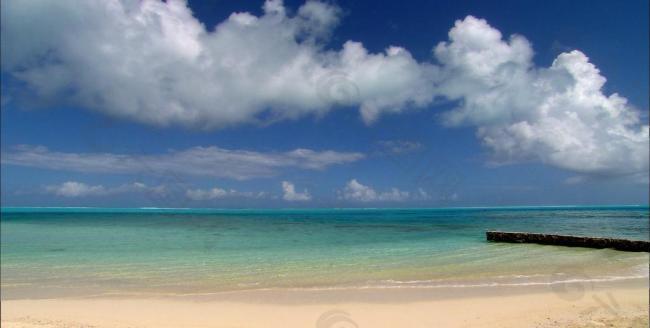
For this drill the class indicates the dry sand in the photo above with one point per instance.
(603, 306)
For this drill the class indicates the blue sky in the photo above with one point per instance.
(346, 104)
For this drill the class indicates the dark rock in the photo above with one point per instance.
(574, 241)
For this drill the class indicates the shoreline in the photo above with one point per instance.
(621, 304)
(541, 282)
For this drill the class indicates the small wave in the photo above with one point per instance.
(386, 284)
(516, 276)
(425, 284)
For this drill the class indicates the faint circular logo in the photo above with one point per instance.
(168, 188)
(570, 287)
(335, 319)
(336, 87)
(158, 188)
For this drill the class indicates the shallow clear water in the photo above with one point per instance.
(48, 252)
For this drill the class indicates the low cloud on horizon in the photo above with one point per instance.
(74, 189)
(198, 161)
(290, 194)
(355, 191)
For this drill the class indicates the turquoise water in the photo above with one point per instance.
(75, 251)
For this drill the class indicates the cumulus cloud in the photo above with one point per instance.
(201, 161)
(290, 193)
(217, 193)
(355, 191)
(80, 189)
(557, 115)
(166, 68)
(154, 62)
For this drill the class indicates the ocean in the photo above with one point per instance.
(53, 252)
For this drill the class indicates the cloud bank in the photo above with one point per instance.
(199, 161)
(217, 193)
(79, 189)
(165, 68)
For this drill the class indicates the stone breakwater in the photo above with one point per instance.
(565, 240)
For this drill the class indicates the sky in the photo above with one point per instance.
(324, 104)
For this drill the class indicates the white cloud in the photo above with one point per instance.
(165, 68)
(80, 189)
(290, 194)
(153, 62)
(76, 189)
(201, 161)
(557, 115)
(217, 193)
(355, 191)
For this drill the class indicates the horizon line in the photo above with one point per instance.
(2, 208)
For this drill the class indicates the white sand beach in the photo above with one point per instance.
(601, 305)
